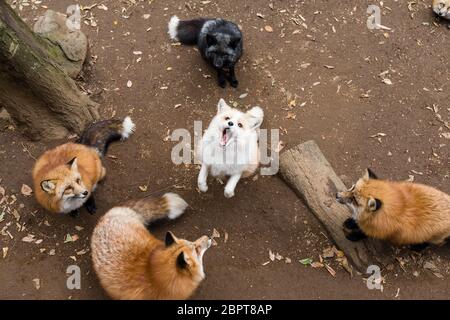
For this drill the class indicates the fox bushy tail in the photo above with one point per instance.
(170, 205)
(101, 134)
(187, 32)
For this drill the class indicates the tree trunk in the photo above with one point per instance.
(36, 91)
(306, 170)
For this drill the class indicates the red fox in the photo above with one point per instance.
(403, 213)
(65, 177)
(133, 265)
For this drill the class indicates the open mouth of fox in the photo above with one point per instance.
(226, 137)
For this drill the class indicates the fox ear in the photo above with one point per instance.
(170, 239)
(181, 261)
(73, 164)
(256, 117)
(210, 39)
(222, 106)
(48, 186)
(369, 174)
(374, 204)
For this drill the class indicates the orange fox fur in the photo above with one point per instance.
(408, 213)
(134, 265)
(65, 177)
(53, 168)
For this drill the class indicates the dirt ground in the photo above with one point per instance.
(318, 75)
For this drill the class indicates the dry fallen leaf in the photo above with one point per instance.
(280, 146)
(317, 265)
(70, 238)
(271, 255)
(347, 266)
(328, 253)
(268, 28)
(215, 234)
(37, 283)
(26, 190)
(29, 238)
(330, 270)
(291, 115)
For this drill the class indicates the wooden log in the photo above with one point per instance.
(309, 174)
(35, 90)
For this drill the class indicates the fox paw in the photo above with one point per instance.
(74, 213)
(419, 247)
(203, 187)
(222, 83)
(351, 224)
(229, 194)
(90, 206)
(355, 235)
(234, 83)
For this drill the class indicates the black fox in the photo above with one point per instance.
(220, 43)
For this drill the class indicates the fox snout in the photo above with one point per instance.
(343, 197)
(218, 62)
(83, 194)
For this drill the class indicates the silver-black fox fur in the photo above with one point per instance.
(220, 43)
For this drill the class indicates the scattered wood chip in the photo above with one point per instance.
(268, 29)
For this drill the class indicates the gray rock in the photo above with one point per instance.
(74, 43)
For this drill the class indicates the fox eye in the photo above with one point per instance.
(227, 118)
(240, 125)
(68, 190)
(78, 181)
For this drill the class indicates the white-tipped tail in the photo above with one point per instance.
(173, 26)
(176, 205)
(128, 128)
